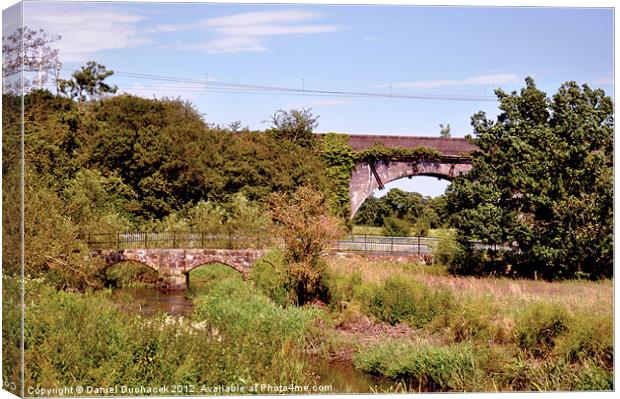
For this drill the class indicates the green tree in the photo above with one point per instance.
(303, 221)
(296, 126)
(444, 131)
(87, 83)
(542, 182)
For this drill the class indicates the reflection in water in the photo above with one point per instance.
(344, 378)
(150, 301)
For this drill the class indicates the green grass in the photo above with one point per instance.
(237, 336)
(420, 365)
(520, 334)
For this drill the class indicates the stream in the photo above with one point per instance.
(343, 377)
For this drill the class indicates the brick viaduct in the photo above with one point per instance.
(173, 265)
(369, 176)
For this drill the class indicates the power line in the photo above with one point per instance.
(200, 85)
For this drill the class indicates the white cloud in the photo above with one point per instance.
(169, 28)
(479, 80)
(228, 44)
(372, 39)
(243, 32)
(272, 30)
(261, 17)
(84, 30)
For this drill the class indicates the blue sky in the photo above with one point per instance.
(389, 50)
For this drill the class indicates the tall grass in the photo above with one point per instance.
(518, 334)
(428, 367)
(237, 336)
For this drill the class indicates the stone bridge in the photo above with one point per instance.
(369, 176)
(173, 264)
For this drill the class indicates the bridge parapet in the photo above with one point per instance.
(175, 239)
(174, 264)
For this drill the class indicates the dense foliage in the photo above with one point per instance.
(339, 158)
(127, 162)
(302, 220)
(541, 183)
(86, 339)
(418, 212)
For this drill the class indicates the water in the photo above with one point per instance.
(149, 301)
(343, 377)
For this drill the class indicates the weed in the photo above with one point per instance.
(538, 327)
(405, 300)
(427, 366)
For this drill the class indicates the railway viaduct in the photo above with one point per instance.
(369, 176)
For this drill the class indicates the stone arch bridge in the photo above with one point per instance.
(174, 264)
(369, 176)
(174, 254)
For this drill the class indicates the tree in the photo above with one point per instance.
(302, 220)
(444, 131)
(541, 182)
(87, 83)
(296, 126)
(37, 58)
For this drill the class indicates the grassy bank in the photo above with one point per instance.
(415, 326)
(236, 336)
(469, 334)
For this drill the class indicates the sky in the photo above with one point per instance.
(423, 66)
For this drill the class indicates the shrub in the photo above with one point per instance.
(554, 375)
(421, 227)
(342, 288)
(394, 227)
(538, 327)
(404, 300)
(589, 339)
(269, 276)
(242, 338)
(478, 321)
(431, 367)
(447, 250)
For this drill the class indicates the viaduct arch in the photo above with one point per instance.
(369, 176)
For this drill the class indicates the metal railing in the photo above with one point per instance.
(203, 240)
(175, 239)
(200, 240)
(401, 245)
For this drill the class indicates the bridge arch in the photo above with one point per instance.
(235, 267)
(370, 176)
(173, 265)
(112, 258)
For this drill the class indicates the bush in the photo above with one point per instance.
(431, 367)
(343, 288)
(421, 227)
(478, 321)
(242, 338)
(269, 276)
(447, 250)
(394, 227)
(589, 339)
(539, 326)
(403, 300)
(555, 375)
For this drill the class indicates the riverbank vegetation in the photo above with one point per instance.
(414, 327)
(473, 334)
(123, 163)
